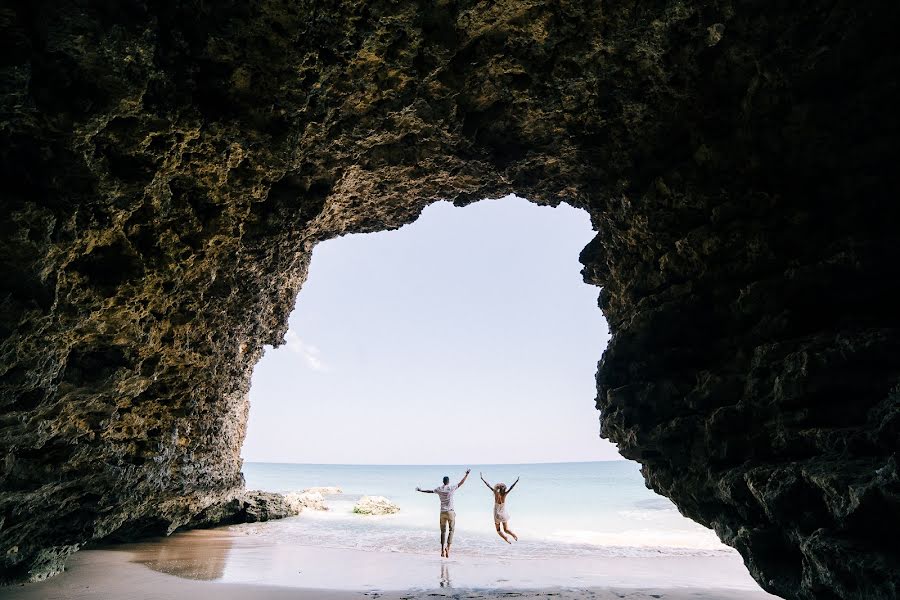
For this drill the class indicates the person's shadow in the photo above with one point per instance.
(445, 576)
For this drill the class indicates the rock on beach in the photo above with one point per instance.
(375, 505)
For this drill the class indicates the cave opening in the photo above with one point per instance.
(471, 320)
(465, 339)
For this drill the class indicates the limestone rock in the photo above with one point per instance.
(375, 505)
(250, 507)
(306, 500)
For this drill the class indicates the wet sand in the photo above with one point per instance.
(208, 565)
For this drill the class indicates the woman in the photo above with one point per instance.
(501, 516)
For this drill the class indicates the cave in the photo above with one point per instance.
(168, 168)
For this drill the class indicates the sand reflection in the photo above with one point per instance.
(193, 554)
(445, 575)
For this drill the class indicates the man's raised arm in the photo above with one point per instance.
(463, 480)
(424, 491)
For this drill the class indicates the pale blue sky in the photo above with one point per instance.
(465, 337)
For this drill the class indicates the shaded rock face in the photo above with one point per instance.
(250, 507)
(168, 168)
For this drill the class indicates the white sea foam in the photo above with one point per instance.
(387, 539)
(661, 541)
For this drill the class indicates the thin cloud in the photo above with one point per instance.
(311, 355)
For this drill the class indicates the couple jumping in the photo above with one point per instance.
(448, 515)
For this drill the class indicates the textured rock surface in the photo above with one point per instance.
(250, 507)
(306, 500)
(375, 505)
(168, 168)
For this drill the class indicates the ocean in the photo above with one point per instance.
(587, 509)
(580, 525)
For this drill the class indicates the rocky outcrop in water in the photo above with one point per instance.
(375, 505)
(250, 507)
(306, 500)
(168, 168)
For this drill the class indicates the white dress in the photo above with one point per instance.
(500, 514)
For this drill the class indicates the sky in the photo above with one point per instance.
(465, 337)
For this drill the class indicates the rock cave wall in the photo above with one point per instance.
(168, 168)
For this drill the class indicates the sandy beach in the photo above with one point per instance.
(220, 564)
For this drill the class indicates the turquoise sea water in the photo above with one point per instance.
(562, 509)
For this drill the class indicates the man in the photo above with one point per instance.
(448, 516)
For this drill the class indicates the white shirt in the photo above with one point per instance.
(446, 494)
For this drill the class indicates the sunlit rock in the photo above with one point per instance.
(306, 500)
(375, 505)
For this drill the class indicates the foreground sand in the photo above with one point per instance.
(179, 568)
(110, 575)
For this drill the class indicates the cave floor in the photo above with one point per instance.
(203, 565)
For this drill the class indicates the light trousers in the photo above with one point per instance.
(448, 520)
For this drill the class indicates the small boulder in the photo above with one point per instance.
(251, 506)
(375, 505)
(306, 500)
(266, 506)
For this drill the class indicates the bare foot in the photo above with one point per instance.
(515, 537)
(443, 553)
(447, 552)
